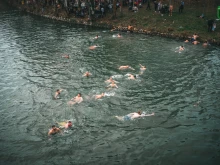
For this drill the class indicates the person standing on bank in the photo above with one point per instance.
(181, 7)
(210, 25)
(148, 5)
(170, 10)
(155, 6)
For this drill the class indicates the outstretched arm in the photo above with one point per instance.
(49, 133)
(152, 114)
(131, 68)
(73, 99)
(141, 65)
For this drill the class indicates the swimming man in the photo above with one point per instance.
(93, 47)
(54, 130)
(119, 35)
(112, 85)
(78, 99)
(133, 115)
(181, 48)
(66, 125)
(99, 96)
(66, 56)
(57, 93)
(125, 67)
(142, 68)
(110, 80)
(131, 76)
(87, 74)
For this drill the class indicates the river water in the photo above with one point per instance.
(182, 89)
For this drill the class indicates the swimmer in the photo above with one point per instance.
(130, 28)
(69, 124)
(96, 37)
(66, 125)
(57, 93)
(131, 77)
(133, 115)
(93, 47)
(142, 68)
(205, 44)
(66, 56)
(112, 85)
(195, 42)
(186, 41)
(54, 130)
(78, 99)
(125, 67)
(181, 48)
(110, 80)
(114, 28)
(87, 74)
(197, 103)
(99, 96)
(195, 36)
(119, 35)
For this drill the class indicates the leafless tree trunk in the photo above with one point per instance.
(114, 8)
(121, 1)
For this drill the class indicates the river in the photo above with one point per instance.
(182, 89)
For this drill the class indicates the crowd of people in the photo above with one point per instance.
(99, 8)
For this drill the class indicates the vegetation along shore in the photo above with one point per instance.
(152, 17)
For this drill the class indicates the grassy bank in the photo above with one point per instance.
(179, 25)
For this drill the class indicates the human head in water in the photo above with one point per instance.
(139, 112)
(69, 124)
(53, 127)
(79, 95)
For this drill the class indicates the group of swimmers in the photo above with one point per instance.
(111, 84)
(97, 36)
(54, 130)
(194, 41)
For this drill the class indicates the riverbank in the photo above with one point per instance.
(178, 26)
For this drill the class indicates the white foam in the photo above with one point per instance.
(117, 76)
(109, 93)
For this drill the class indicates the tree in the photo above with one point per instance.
(114, 8)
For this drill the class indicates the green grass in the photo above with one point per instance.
(179, 25)
(184, 24)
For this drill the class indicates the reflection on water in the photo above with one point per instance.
(182, 90)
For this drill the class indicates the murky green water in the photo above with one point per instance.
(182, 89)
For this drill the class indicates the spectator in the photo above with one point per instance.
(181, 7)
(110, 7)
(170, 10)
(201, 16)
(148, 5)
(103, 11)
(155, 6)
(159, 6)
(213, 26)
(210, 25)
(135, 9)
